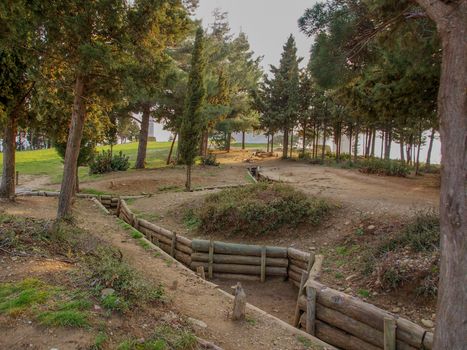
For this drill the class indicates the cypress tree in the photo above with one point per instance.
(193, 120)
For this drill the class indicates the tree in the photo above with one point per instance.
(284, 92)
(193, 121)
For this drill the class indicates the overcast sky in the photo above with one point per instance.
(268, 23)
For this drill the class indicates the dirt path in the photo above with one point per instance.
(376, 194)
(190, 297)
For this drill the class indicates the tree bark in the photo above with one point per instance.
(7, 187)
(373, 143)
(77, 180)
(72, 150)
(304, 138)
(143, 137)
(169, 157)
(188, 178)
(243, 139)
(430, 149)
(323, 149)
(285, 144)
(451, 315)
(291, 143)
(229, 141)
(272, 142)
(268, 140)
(355, 150)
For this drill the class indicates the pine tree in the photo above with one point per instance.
(193, 121)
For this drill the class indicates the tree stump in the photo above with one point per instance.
(239, 303)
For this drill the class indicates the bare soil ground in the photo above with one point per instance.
(187, 295)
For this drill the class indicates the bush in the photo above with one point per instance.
(383, 167)
(210, 159)
(104, 162)
(257, 209)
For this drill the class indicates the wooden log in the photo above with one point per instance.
(211, 258)
(242, 269)
(296, 269)
(299, 263)
(263, 264)
(296, 254)
(340, 338)
(157, 229)
(389, 333)
(240, 259)
(369, 314)
(294, 276)
(238, 249)
(119, 204)
(310, 310)
(315, 271)
(183, 258)
(184, 241)
(297, 314)
(239, 306)
(200, 272)
(173, 244)
(236, 277)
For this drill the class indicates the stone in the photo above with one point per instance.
(427, 323)
(371, 227)
(396, 310)
(107, 291)
(197, 323)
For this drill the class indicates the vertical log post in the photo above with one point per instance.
(311, 260)
(211, 258)
(311, 310)
(296, 321)
(389, 333)
(263, 264)
(174, 244)
(119, 207)
(200, 271)
(239, 303)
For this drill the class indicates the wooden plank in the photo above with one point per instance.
(389, 333)
(240, 259)
(310, 310)
(263, 264)
(238, 249)
(297, 306)
(242, 269)
(211, 258)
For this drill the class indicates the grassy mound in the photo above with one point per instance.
(256, 209)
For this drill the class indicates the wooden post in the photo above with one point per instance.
(263, 264)
(211, 258)
(200, 271)
(311, 310)
(239, 303)
(174, 244)
(389, 333)
(119, 207)
(17, 178)
(311, 260)
(296, 322)
(315, 271)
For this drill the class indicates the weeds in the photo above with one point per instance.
(64, 318)
(18, 297)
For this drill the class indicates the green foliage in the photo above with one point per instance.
(18, 297)
(113, 302)
(64, 318)
(164, 338)
(383, 167)
(257, 209)
(363, 293)
(106, 162)
(210, 160)
(109, 271)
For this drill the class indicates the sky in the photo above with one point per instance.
(267, 23)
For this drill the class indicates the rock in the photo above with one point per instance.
(371, 227)
(107, 291)
(197, 323)
(427, 323)
(348, 290)
(169, 317)
(350, 277)
(396, 310)
(97, 308)
(347, 223)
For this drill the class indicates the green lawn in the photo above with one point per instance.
(48, 162)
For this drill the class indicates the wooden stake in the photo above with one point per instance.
(263, 264)
(211, 258)
(296, 322)
(239, 303)
(200, 272)
(311, 310)
(389, 333)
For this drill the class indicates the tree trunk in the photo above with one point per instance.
(243, 139)
(323, 150)
(417, 162)
(304, 139)
(451, 320)
(291, 143)
(77, 180)
(267, 146)
(143, 137)
(430, 149)
(285, 144)
(272, 142)
(402, 150)
(72, 150)
(383, 141)
(229, 141)
(7, 187)
(188, 178)
(169, 157)
(350, 140)
(355, 150)
(373, 143)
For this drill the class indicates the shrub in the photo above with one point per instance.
(210, 160)
(104, 162)
(257, 209)
(383, 167)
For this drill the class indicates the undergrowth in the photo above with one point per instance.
(255, 209)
